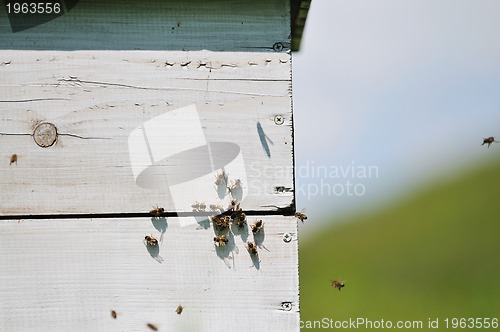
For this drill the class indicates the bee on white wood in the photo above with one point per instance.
(220, 240)
(199, 206)
(157, 211)
(221, 221)
(234, 205)
(179, 309)
(152, 326)
(13, 159)
(241, 220)
(151, 240)
(234, 185)
(257, 226)
(252, 248)
(221, 178)
(216, 207)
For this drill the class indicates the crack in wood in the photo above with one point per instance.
(81, 137)
(32, 100)
(182, 89)
(59, 134)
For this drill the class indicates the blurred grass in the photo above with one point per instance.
(434, 255)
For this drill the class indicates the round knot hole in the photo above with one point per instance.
(45, 134)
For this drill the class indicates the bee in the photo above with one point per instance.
(179, 310)
(338, 284)
(487, 140)
(252, 248)
(151, 241)
(220, 240)
(236, 184)
(199, 206)
(241, 220)
(13, 159)
(157, 211)
(152, 326)
(114, 314)
(221, 178)
(221, 221)
(257, 226)
(301, 216)
(234, 206)
(215, 207)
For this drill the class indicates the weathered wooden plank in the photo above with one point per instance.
(218, 25)
(62, 275)
(136, 129)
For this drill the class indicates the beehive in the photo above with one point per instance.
(115, 108)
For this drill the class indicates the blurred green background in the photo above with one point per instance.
(433, 254)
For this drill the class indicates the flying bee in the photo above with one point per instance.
(114, 314)
(338, 284)
(157, 211)
(152, 326)
(13, 159)
(220, 240)
(252, 248)
(257, 226)
(179, 310)
(221, 178)
(489, 140)
(151, 241)
(301, 215)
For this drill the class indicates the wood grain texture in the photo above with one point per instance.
(98, 99)
(150, 101)
(67, 275)
(217, 25)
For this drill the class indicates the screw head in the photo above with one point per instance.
(279, 119)
(287, 237)
(287, 306)
(278, 47)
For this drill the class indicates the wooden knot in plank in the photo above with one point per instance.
(45, 134)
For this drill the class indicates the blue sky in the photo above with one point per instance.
(409, 87)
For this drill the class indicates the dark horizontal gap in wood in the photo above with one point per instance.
(288, 211)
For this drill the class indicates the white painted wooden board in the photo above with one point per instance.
(67, 275)
(217, 25)
(137, 129)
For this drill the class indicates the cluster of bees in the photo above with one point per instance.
(224, 218)
(237, 217)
